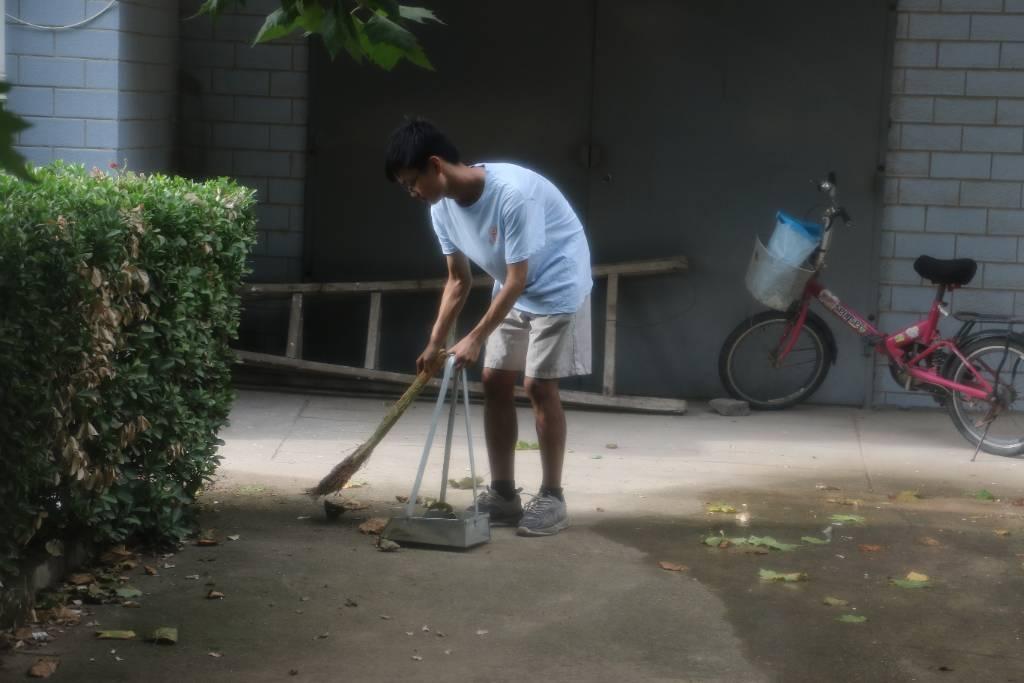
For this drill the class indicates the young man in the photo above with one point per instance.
(521, 231)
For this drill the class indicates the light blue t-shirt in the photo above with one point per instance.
(521, 216)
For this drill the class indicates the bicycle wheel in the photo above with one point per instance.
(1005, 434)
(747, 368)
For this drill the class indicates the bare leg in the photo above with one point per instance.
(500, 426)
(551, 429)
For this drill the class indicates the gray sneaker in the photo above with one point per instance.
(502, 511)
(545, 515)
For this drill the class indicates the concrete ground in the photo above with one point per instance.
(311, 599)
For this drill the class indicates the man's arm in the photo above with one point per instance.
(456, 291)
(467, 351)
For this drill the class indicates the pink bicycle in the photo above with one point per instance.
(779, 358)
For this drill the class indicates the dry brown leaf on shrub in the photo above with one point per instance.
(81, 579)
(928, 540)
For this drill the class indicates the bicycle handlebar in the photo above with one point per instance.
(830, 187)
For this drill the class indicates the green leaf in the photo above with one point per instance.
(10, 126)
(720, 507)
(907, 583)
(418, 14)
(852, 619)
(165, 635)
(217, 7)
(278, 24)
(835, 602)
(813, 541)
(792, 577)
(984, 494)
(115, 635)
(769, 542)
(128, 592)
(848, 519)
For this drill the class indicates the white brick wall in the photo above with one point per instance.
(243, 114)
(956, 161)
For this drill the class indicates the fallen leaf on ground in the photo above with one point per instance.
(826, 487)
(905, 497)
(845, 501)
(465, 483)
(672, 566)
(81, 579)
(835, 602)
(116, 554)
(1002, 532)
(214, 595)
(234, 537)
(374, 525)
(323, 636)
(302, 517)
(387, 546)
(131, 604)
(44, 667)
(385, 617)
(720, 507)
(928, 540)
(447, 652)
(425, 629)
(207, 542)
(482, 632)
(611, 446)
(115, 635)
(868, 548)
(409, 633)
(597, 457)
(192, 577)
(769, 542)
(913, 580)
(417, 658)
(813, 541)
(165, 635)
(150, 571)
(215, 654)
(848, 519)
(852, 619)
(355, 485)
(128, 592)
(349, 602)
(770, 575)
(984, 494)
(527, 446)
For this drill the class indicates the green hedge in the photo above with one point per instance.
(117, 304)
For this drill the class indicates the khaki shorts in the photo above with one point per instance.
(544, 346)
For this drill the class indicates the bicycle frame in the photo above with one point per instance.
(924, 332)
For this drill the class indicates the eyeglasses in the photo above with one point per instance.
(409, 187)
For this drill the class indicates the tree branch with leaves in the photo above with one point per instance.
(368, 30)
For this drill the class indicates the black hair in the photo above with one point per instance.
(413, 143)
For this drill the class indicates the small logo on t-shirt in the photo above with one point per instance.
(493, 232)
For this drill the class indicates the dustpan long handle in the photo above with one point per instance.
(449, 366)
(448, 436)
(469, 439)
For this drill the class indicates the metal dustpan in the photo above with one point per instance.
(442, 525)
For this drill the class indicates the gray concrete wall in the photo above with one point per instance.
(956, 161)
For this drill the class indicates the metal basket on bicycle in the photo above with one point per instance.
(777, 273)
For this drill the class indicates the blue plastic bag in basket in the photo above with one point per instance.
(793, 241)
